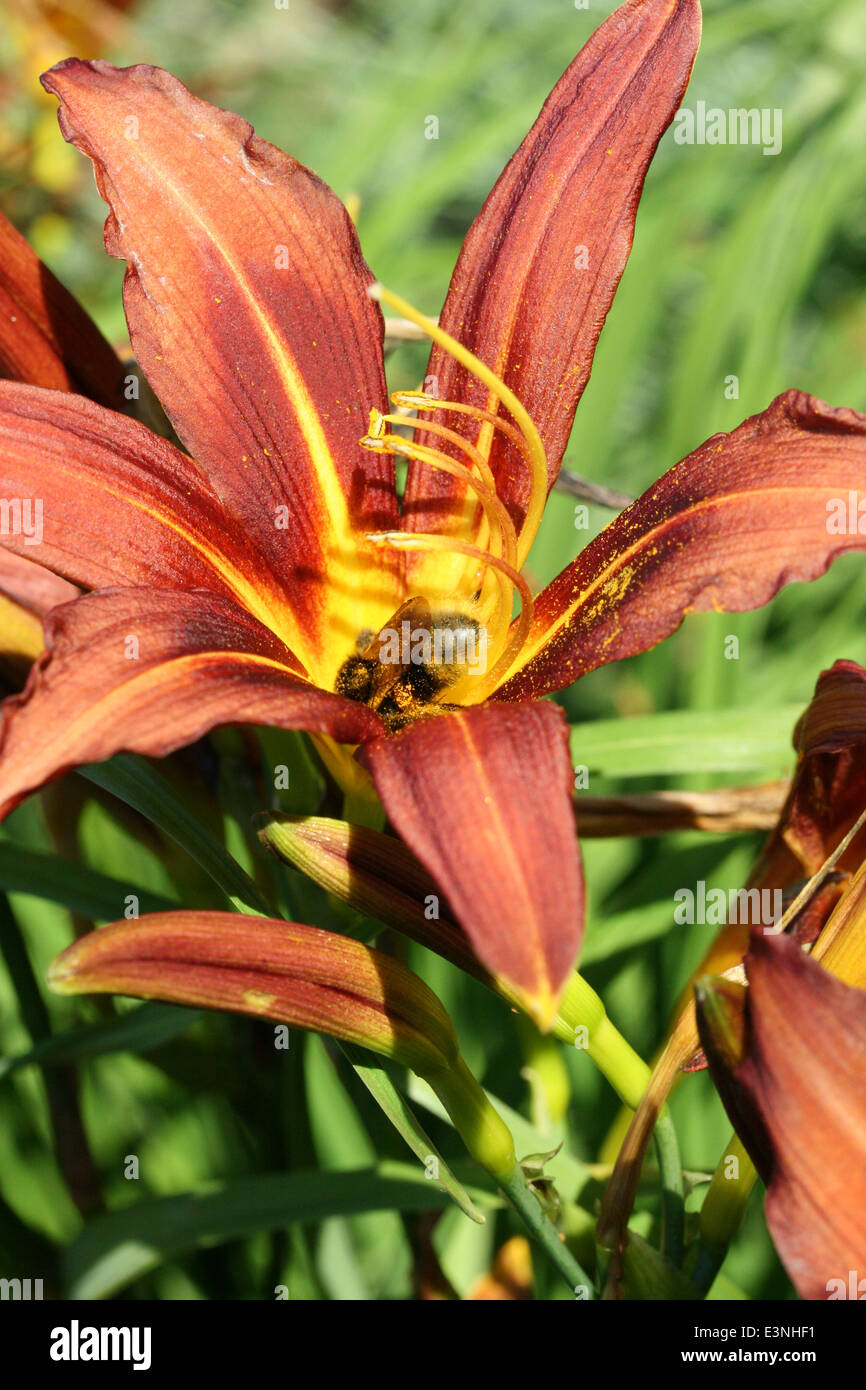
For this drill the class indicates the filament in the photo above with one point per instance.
(535, 455)
(495, 510)
(413, 399)
(419, 400)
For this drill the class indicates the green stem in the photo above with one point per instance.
(723, 1211)
(489, 1141)
(546, 1073)
(673, 1187)
(538, 1223)
(616, 1059)
(583, 1021)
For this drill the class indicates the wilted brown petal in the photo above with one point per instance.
(827, 794)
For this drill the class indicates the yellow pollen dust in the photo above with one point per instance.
(256, 999)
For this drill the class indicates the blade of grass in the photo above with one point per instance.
(83, 890)
(131, 780)
(118, 1248)
(406, 1123)
(143, 1028)
(71, 1147)
(677, 741)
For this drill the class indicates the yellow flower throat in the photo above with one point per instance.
(402, 690)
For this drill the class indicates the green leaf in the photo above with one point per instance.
(360, 1257)
(725, 1290)
(130, 779)
(75, 886)
(678, 741)
(148, 1026)
(399, 1112)
(114, 1250)
(14, 952)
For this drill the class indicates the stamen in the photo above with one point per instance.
(478, 459)
(414, 540)
(420, 401)
(537, 458)
(497, 515)
(508, 537)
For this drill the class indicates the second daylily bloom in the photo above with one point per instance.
(262, 576)
(819, 833)
(787, 1056)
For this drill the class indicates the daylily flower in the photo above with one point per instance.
(261, 576)
(787, 1056)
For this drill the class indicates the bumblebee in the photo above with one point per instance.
(402, 670)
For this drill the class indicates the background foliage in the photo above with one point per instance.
(743, 264)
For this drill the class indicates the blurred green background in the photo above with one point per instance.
(743, 265)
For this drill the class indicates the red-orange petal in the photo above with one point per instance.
(32, 586)
(149, 671)
(245, 296)
(482, 796)
(118, 505)
(542, 261)
(798, 1100)
(726, 529)
(46, 338)
(27, 593)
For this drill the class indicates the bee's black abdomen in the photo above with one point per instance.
(355, 678)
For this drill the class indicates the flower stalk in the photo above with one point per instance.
(723, 1211)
